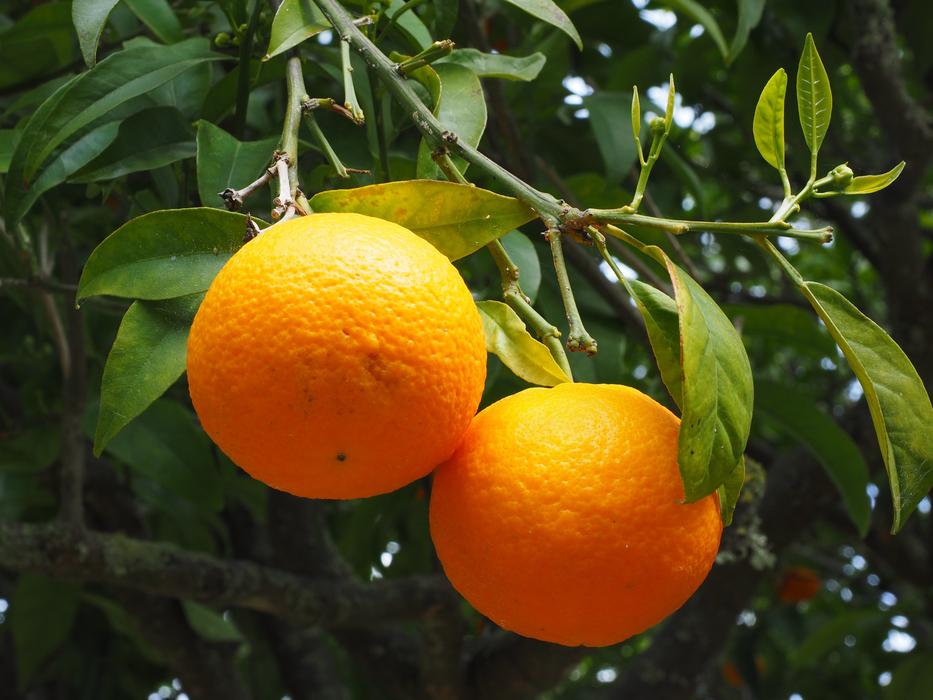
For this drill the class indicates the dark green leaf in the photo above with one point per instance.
(768, 127)
(866, 184)
(796, 413)
(224, 162)
(497, 65)
(163, 255)
(295, 21)
(508, 339)
(159, 17)
(608, 112)
(32, 450)
(913, 679)
(662, 324)
(548, 11)
(729, 492)
(148, 140)
(832, 633)
(410, 26)
(41, 41)
(42, 613)
(209, 624)
(814, 96)
(461, 109)
(147, 357)
(750, 12)
(90, 18)
(8, 139)
(456, 219)
(899, 404)
(445, 16)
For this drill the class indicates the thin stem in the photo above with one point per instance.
(658, 137)
(447, 166)
(289, 142)
(349, 93)
(577, 337)
(410, 5)
(234, 199)
(243, 78)
(435, 51)
(327, 149)
(600, 242)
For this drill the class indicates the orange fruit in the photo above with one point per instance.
(798, 584)
(337, 356)
(561, 515)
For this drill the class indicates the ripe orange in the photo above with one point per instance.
(561, 515)
(337, 356)
(798, 584)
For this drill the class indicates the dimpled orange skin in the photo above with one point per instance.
(337, 356)
(560, 516)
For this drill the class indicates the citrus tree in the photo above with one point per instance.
(328, 213)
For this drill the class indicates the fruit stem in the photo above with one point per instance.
(577, 338)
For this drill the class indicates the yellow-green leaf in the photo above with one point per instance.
(866, 184)
(814, 96)
(768, 126)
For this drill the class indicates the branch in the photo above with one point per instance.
(166, 570)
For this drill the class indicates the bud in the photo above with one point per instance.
(842, 176)
(657, 125)
(222, 40)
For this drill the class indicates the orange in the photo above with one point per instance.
(337, 356)
(798, 584)
(561, 515)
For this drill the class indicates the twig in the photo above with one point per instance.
(234, 199)
(577, 337)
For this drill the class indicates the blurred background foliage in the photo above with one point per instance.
(827, 614)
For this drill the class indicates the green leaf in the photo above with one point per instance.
(636, 113)
(716, 382)
(497, 65)
(814, 96)
(8, 140)
(224, 162)
(145, 141)
(900, 407)
(209, 624)
(750, 12)
(147, 357)
(660, 314)
(669, 110)
(608, 110)
(90, 97)
(445, 16)
(90, 18)
(295, 21)
(165, 445)
(164, 254)
(30, 451)
(507, 339)
(40, 42)
(548, 11)
(410, 26)
(523, 254)
(687, 175)
(159, 17)
(779, 326)
(42, 613)
(456, 219)
(768, 127)
(831, 634)
(913, 679)
(729, 492)
(866, 184)
(796, 413)
(700, 14)
(460, 109)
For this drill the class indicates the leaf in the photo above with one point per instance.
(89, 97)
(750, 12)
(814, 96)
(779, 326)
(548, 11)
(209, 624)
(147, 357)
(224, 162)
(700, 14)
(507, 339)
(866, 184)
(295, 21)
(688, 176)
(30, 451)
(461, 109)
(42, 613)
(660, 314)
(409, 25)
(636, 113)
(900, 407)
(912, 679)
(145, 141)
(729, 492)
(90, 18)
(165, 445)
(8, 140)
(523, 254)
(445, 16)
(497, 65)
(164, 254)
(608, 110)
(796, 413)
(456, 219)
(159, 17)
(768, 126)
(40, 42)
(830, 635)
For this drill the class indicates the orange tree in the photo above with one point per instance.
(136, 559)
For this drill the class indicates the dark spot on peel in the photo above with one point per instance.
(341, 457)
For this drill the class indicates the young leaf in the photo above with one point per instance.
(618, 150)
(866, 184)
(729, 492)
(496, 65)
(636, 113)
(460, 109)
(159, 17)
(669, 110)
(796, 413)
(294, 21)
(224, 162)
(768, 126)
(900, 407)
(456, 219)
(147, 357)
(698, 13)
(750, 12)
(90, 18)
(507, 339)
(548, 11)
(814, 96)
(163, 255)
